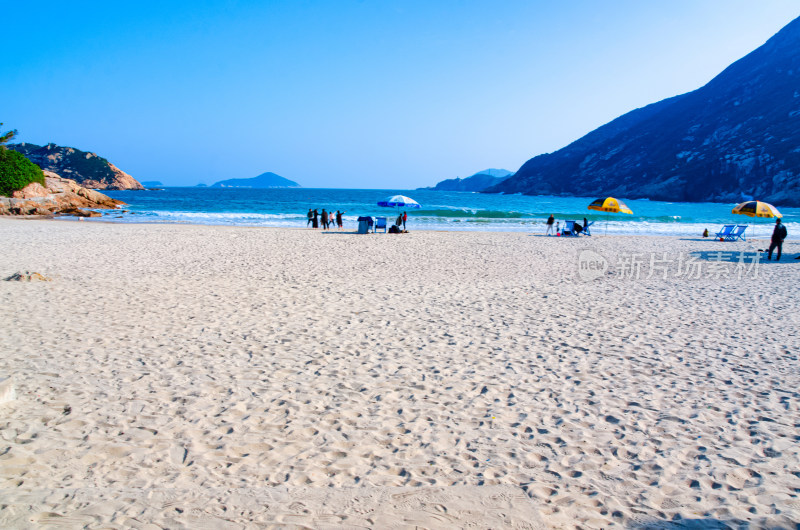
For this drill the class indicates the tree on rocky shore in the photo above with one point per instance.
(16, 171)
(6, 137)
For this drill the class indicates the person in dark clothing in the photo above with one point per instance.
(324, 219)
(310, 217)
(339, 219)
(315, 221)
(550, 221)
(778, 235)
(577, 228)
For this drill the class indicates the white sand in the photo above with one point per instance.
(214, 377)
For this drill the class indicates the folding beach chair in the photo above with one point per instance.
(738, 233)
(725, 232)
(380, 222)
(569, 229)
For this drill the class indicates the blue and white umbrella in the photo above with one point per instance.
(399, 201)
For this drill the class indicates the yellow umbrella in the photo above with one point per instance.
(610, 204)
(756, 209)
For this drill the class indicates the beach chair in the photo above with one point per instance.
(738, 233)
(586, 228)
(725, 231)
(569, 229)
(380, 222)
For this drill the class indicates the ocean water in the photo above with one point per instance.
(440, 210)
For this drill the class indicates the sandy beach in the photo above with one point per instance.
(180, 376)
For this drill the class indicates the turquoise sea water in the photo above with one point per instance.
(440, 210)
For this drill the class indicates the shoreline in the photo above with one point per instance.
(183, 375)
(100, 220)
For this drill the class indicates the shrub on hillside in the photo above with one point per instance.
(16, 172)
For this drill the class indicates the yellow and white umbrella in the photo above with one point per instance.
(610, 205)
(756, 209)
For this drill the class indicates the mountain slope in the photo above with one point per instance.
(264, 180)
(738, 136)
(477, 182)
(87, 169)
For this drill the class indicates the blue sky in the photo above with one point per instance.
(353, 94)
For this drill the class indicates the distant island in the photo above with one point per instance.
(151, 183)
(735, 138)
(477, 182)
(87, 169)
(264, 180)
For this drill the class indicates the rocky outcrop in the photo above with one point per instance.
(735, 138)
(57, 196)
(87, 169)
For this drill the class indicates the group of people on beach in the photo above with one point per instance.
(776, 241)
(556, 230)
(325, 219)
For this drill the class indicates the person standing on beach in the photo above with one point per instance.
(778, 235)
(315, 220)
(405, 218)
(339, 219)
(324, 219)
(550, 221)
(310, 217)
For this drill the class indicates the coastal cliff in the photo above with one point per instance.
(735, 138)
(87, 169)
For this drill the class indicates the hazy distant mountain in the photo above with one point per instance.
(738, 136)
(264, 180)
(151, 183)
(477, 182)
(87, 169)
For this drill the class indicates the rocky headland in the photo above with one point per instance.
(87, 169)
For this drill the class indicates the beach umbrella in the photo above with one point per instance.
(399, 201)
(756, 209)
(610, 205)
